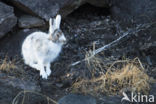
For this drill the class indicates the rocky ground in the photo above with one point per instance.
(84, 27)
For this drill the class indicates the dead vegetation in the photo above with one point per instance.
(7, 65)
(23, 97)
(113, 77)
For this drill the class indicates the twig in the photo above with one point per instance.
(113, 43)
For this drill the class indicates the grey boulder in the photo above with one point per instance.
(49, 8)
(11, 86)
(99, 3)
(7, 19)
(137, 11)
(46, 8)
(27, 21)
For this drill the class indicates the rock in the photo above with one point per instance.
(27, 21)
(7, 19)
(111, 100)
(77, 99)
(49, 8)
(19, 84)
(99, 3)
(138, 11)
(60, 85)
(11, 86)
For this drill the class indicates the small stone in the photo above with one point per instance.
(59, 85)
(77, 99)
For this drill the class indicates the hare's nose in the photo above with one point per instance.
(63, 39)
(64, 42)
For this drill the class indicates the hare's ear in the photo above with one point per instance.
(57, 21)
(51, 25)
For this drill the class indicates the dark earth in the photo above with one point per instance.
(82, 28)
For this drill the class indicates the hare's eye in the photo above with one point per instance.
(58, 35)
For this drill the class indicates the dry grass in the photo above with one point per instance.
(7, 65)
(20, 98)
(114, 77)
(130, 77)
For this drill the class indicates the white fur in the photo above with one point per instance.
(57, 21)
(38, 51)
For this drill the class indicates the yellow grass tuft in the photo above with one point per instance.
(120, 75)
(7, 65)
(130, 77)
(23, 94)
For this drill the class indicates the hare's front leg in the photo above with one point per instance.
(48, 70)
(42, 71)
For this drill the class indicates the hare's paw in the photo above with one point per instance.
(48, 71)
(43, 74)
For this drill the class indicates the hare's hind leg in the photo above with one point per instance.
(34, 65)
(30, 61)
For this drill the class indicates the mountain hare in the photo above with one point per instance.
(39, 49)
